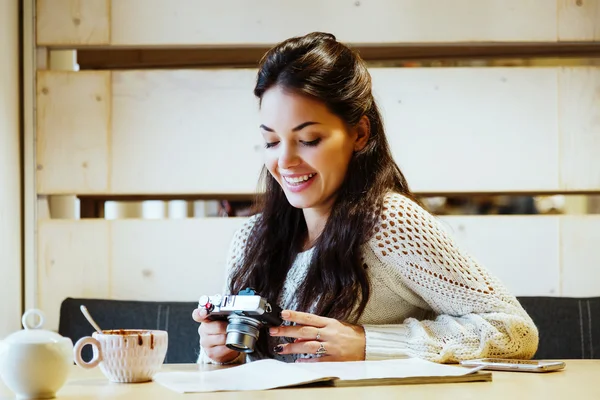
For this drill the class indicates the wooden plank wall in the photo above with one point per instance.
(92, 124)
(185, 132)
(240, 23)
(10, 171)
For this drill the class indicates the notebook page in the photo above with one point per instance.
(396, 368)
(257, 375)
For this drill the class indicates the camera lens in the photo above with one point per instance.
(242, 333)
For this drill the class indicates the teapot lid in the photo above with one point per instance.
(33, 332)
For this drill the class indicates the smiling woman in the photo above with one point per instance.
(308, 151)
(360, 268)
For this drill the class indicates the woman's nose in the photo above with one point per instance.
(288, 157)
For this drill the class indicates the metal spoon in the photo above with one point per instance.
(87, 316)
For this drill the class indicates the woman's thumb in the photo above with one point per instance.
(199, 315)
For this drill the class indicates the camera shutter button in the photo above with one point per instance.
(203, 301)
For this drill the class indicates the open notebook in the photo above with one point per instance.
(271, 374)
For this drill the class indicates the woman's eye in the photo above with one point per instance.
(268, 145)
(311, 143)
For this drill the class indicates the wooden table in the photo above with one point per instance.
(580, 380)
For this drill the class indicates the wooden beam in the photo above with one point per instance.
(233, 57)
(33, 206)
(156, 23)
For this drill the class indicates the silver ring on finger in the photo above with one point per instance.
(318, 335)
(321, 351)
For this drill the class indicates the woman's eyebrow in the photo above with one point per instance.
(299, 127)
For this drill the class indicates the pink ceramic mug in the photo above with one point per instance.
(125, 355)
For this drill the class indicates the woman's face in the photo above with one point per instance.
(308, 148)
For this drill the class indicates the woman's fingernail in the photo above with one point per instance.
(278, 349)
(285, 314)
(273, 331)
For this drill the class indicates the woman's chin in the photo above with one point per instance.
(299, 204)
(297, 200)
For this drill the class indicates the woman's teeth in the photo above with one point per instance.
(298, 179)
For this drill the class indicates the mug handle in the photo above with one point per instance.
(79, 346)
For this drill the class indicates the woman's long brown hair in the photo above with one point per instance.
(319, 66)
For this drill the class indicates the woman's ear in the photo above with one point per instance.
(363, 132)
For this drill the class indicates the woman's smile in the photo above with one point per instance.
(297, 183)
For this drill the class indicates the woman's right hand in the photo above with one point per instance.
(212, 337)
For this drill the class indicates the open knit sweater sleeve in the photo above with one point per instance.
(474, 314)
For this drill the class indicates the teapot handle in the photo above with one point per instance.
(97, 354)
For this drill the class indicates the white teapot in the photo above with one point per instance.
(35, 363)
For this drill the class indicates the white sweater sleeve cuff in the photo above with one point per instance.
(386, 342)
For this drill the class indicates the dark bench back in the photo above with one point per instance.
(569, 327)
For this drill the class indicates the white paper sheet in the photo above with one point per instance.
(271, 374)
(397, 368)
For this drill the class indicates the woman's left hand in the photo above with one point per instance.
(331, 339)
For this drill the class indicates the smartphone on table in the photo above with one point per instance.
(501, 364)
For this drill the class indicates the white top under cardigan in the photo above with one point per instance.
(429, 298)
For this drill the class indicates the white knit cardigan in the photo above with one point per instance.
(429, 298)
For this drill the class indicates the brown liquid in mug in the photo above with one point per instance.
(139, 334)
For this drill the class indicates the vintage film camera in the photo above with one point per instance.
(247, 312)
